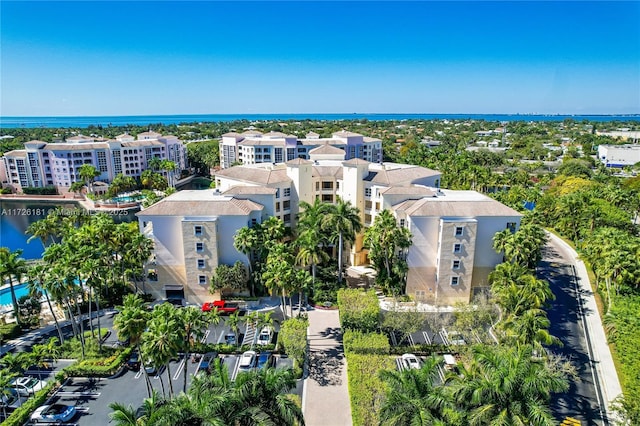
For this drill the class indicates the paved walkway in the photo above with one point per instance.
(325, 397)
(599, 347)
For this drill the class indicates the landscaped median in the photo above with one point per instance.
(21, 415)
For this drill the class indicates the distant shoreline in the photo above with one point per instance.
(11, 122)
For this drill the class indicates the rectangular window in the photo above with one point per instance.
(254, 222)
(197, 230)
(327, 198)
(199, 247)
(200, 263)
(278, 206)
(456, 264)
(286, 218)
(286, 205)
(457, 248)
(367, 192)
(278, 193)
(454, 281)
(511, 226)
(202, 279)
(459, 231)
(317, 186)
(287, 192)
(327, 185)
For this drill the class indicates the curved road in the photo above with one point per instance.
(584, 399)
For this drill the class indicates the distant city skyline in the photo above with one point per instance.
(153, 58)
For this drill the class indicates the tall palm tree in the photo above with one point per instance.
(507, 386)
(37, 278)
(414, 398)
(194, 323)
(42, 229)
(246, 241)
(343, 222)
(233, 321)
(12, 266)
(130, 322)
(88, 173)
(123, 415)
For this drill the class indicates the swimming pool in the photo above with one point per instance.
(5, 293)
(127, 199)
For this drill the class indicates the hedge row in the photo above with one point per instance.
(293, 337)
(100, 367)
(359, 310)
(48, 190)
(366, 343)
(366, 389)
(9, 331)
(21, 415)
(223, 348)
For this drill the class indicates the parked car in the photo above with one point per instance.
(264, 338)
(56, 413)
(247, 361)
(133, 363)
(230, 338)
(11, 399)
(410, 361)
(450, 363)
(265, 360)
(150, 368)
(206, 362)
(224, 307)
(27, 386)
(456, 338)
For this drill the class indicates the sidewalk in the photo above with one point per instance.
(601, 355)
(325, 399)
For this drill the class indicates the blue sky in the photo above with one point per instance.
(136, 58)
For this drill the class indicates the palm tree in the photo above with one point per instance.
(246, 241)
(130, 323)
(233, 321)
(12, 266)
(343, 222)
(37, 277)
(163, 338)
(194, 323)
(529, 328)
(123, 415)
(413, 398)
(42, 229)
(88, 173)
(507, 386)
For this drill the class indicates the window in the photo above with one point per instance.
(402, 222)
(278, 206)
(278, 193)
(327, 198)
(286, 218)
(456, 264)
(367, 192)
(459, 231)
(287, 192)
(454, 281)
(327, 185)
(200, 263)
(286, 205)
(457, 248)
(199, 247)
(202, 279)
(511, 226)
(317, 186)
(197, 230)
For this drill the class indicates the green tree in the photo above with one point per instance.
(12, 266)
(343, 222)
(193, 323)
(88, 173)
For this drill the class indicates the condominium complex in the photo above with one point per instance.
(254, 147)
(43, 164)
(452, 230)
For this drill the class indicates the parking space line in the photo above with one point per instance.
(426, 337)
(179, 369)
(204, 338)
(138, 374)
(411, 342)
(85, 393)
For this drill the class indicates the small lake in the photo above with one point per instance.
(17, 215)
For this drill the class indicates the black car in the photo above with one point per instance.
(206, 362)
(133, 363)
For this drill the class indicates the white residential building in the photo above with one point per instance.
(254, 147)
(43, 164)
(452, 230)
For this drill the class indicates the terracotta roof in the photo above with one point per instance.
(261, 142)
(327, 149)
(232, 135)
(75, 147)
(298, 161)
(219, 206)
(143, 143)
(355, 162)
(408, 190)
(441, 207)
(255, 175)
(402, 176)
(249, 190)
(16, 153)
(344, 134)
(273, 134)
(334, 171)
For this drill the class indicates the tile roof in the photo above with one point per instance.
(442, 207)
(218, 206)
(344, 134)
(402, 176)
(298, 161)
(249, 190)
(327, 149)
(75, 147)
(334, 171)
(409, 190)
(260, 176)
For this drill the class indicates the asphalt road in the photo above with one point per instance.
(581, 401)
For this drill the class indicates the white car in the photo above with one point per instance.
(27, 386)
(56, 413)
(456, 338)
(450, 363)
(410, 361)
(264, 338)
(247, 361)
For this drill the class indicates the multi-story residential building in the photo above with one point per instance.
(43, 164)
(253, 147)
(452, 230)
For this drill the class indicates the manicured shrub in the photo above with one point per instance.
(98, 367)
(293, 337)
(365, 343)
(49, 190)
(359, 310)
(366, 390)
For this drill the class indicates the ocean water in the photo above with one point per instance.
(123, 120)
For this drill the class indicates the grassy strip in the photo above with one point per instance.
(366, 343)
(366, 389)
(21, 415)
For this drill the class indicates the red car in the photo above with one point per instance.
(224, 308)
